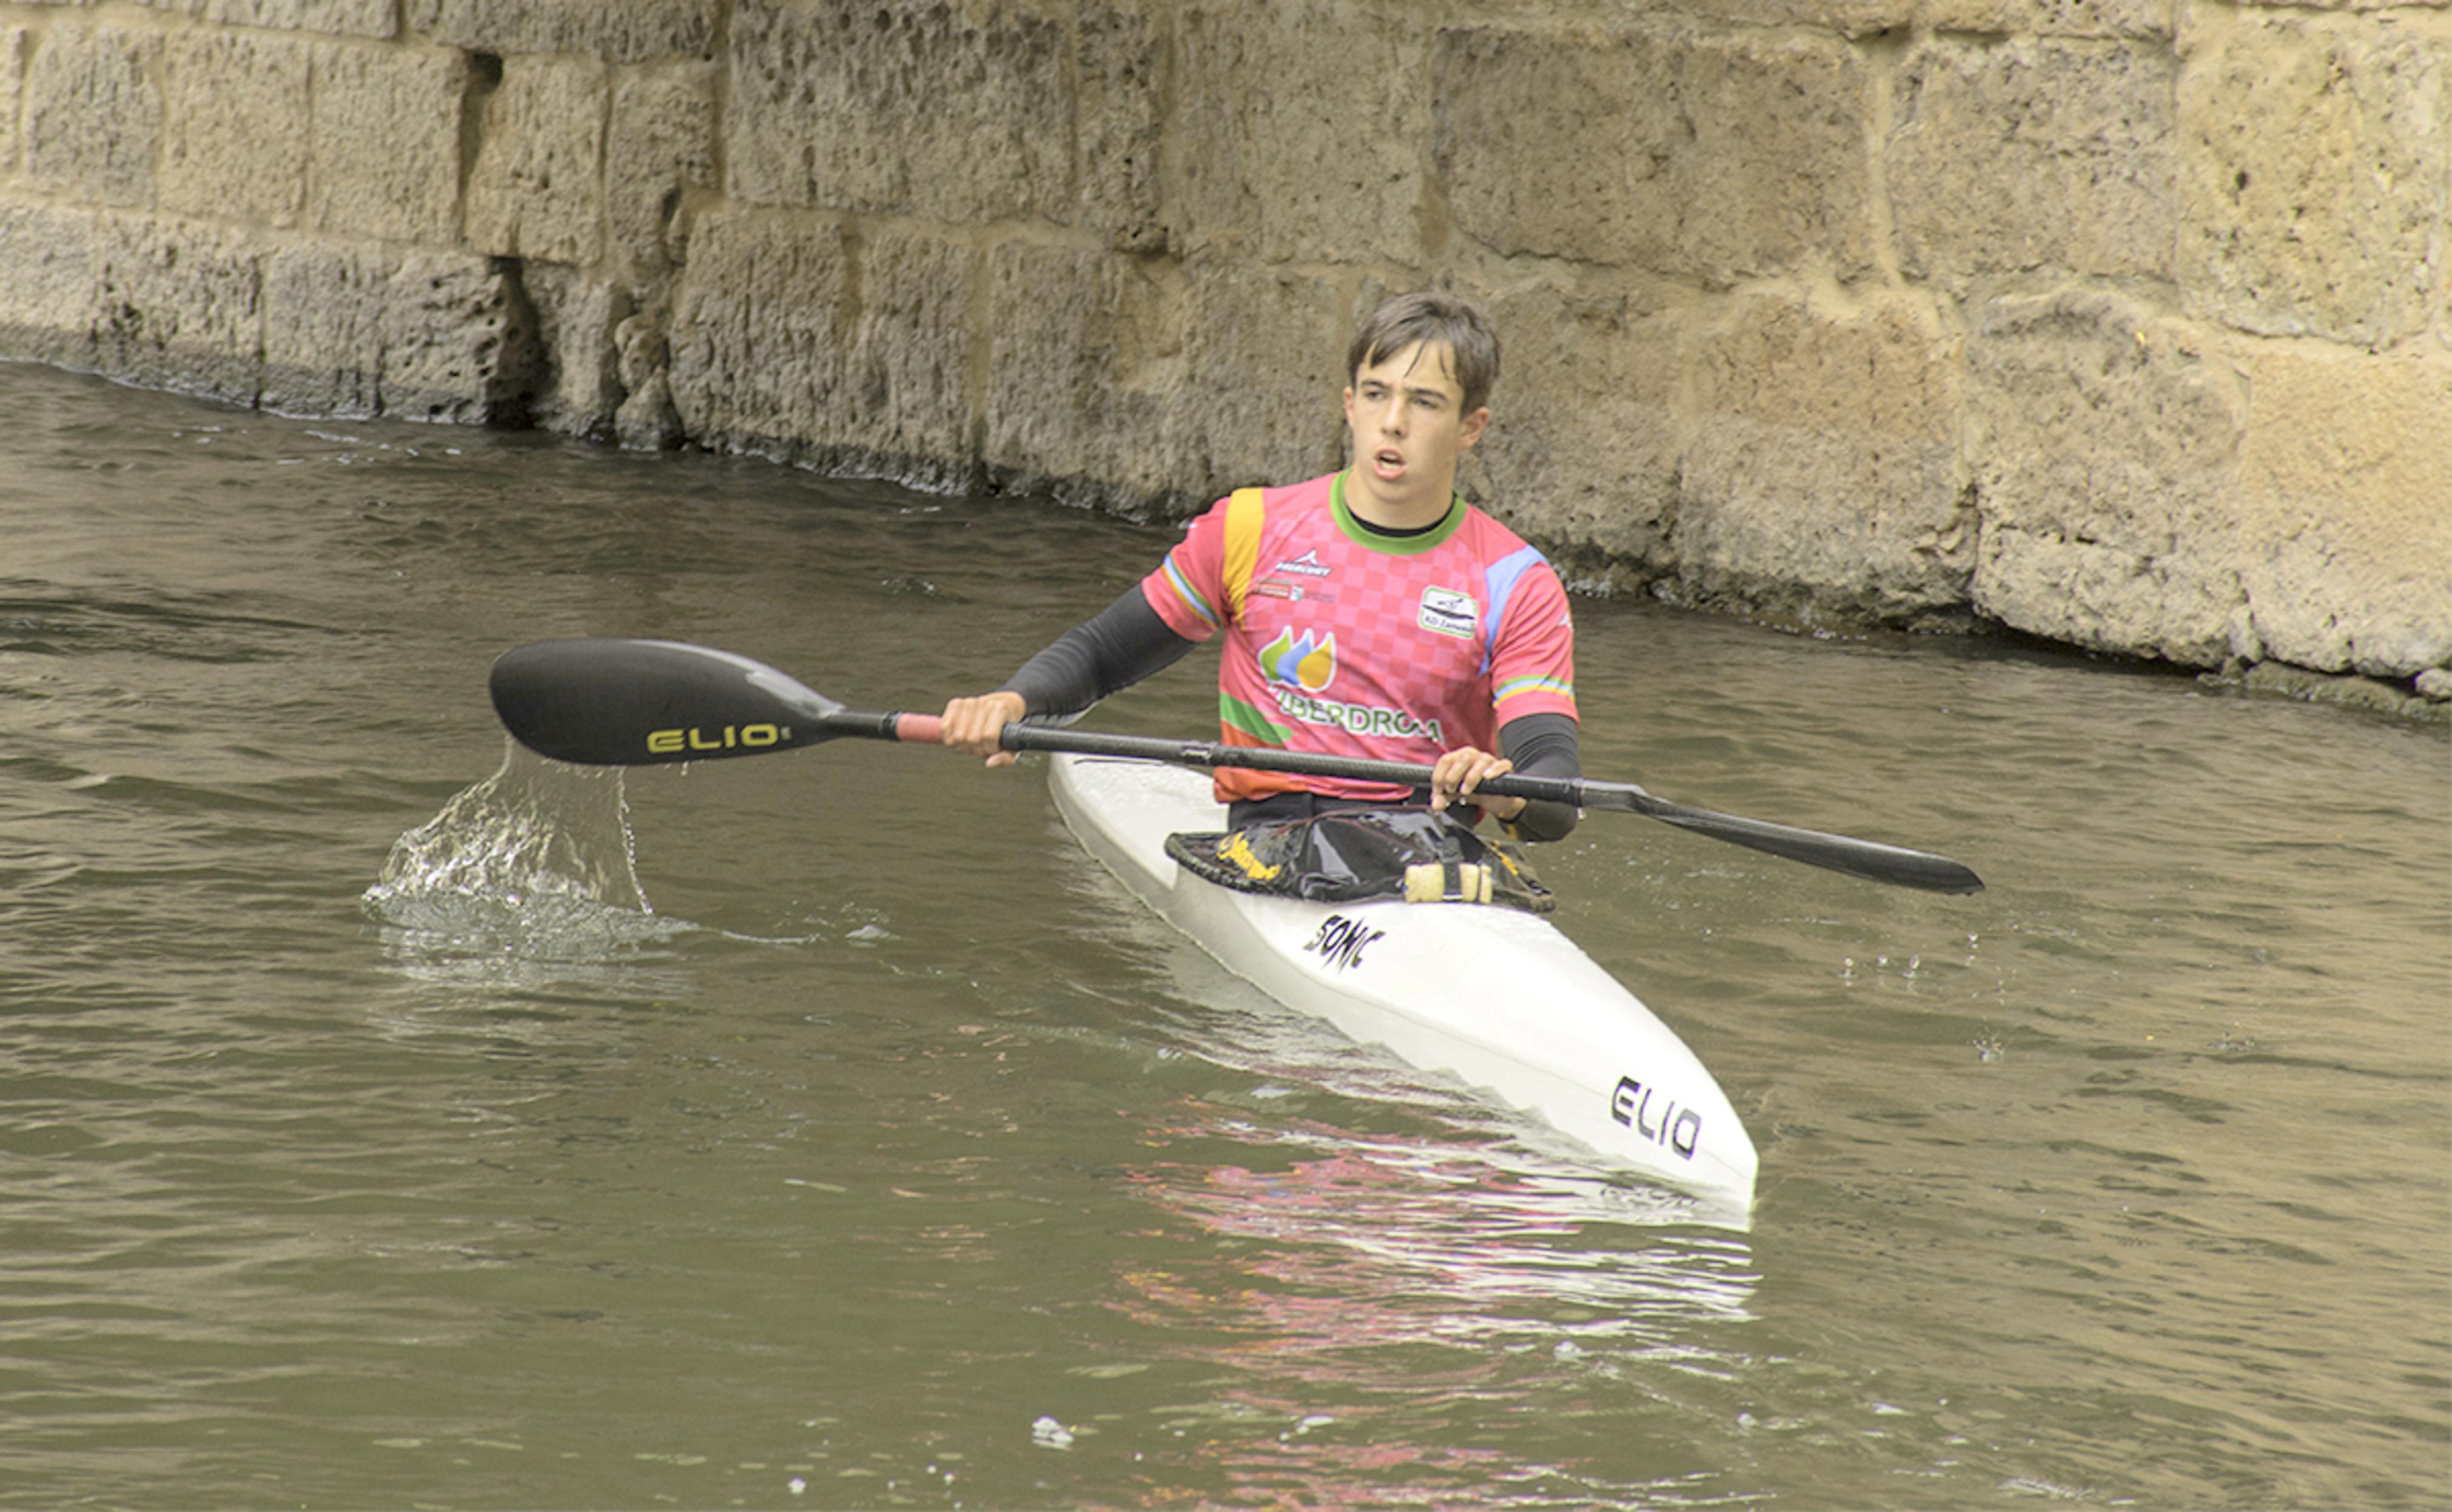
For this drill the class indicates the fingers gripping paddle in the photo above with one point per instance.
(618, 702)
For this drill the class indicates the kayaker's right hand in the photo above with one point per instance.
(1460, 771)
(973, 725)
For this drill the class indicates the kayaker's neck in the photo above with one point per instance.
(1408, 528)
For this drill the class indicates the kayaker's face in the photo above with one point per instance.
(1406, 416)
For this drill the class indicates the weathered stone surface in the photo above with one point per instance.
(1302, 126)
(2316, 179)
(93, 115)
(760, 330)
(790, 337)
(15, 44)
(2032, 154)
(1264, 362)
(2064, 20)
(234, 146)
(1713, 156)
(178, 305)
(458, 341)
(1822, 475)
(1110, 383)
(386, 158)
(364, 330)
(907, 396)
(2105, 439)
(659, 147)
(47, 295)
(363, 18)
(1778, 175)
(536, 189)
(1583, 446)
(1085, 353)
(646, 420)
(1503, 95)
(1122, 54)
(909, 107)
(626, 31)
(2413, 7)
(2344, 534)
(1849, 18)
(578, 388)
(361, 330)
(2278, 680)
(323, 316)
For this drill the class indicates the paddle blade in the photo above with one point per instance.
(619, 703)
(1867, 859)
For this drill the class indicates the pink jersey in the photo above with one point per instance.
(1344, 640)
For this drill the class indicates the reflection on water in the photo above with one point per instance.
(1430, 1287)
(1421, 1227)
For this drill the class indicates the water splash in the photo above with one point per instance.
(535, 863)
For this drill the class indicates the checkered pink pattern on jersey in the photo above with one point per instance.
(1394, 618)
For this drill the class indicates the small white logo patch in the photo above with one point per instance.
(1447, 612)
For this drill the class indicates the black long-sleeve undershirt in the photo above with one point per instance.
(1106, 653)
(1126, 642)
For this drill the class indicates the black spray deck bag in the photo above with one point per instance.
(1411, 854)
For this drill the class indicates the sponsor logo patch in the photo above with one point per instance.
(1447, 612)
(1300, 660)
(1357, 719)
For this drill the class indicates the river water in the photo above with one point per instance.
(391, 1120)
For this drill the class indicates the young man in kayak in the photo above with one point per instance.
(1368, 613)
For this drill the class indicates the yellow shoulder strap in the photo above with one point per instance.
(1243, 515)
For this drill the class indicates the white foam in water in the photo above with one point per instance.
(536, 863)
(1049, 1434)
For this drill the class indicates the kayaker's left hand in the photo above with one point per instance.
(1455, 775)
(973, 725)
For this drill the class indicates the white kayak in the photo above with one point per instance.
(1494, 997)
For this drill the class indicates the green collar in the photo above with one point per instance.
(1361, 533)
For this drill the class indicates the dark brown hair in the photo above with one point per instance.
(1433, 317)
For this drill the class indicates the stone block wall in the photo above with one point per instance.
(2122, 323)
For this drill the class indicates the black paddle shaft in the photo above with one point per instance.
(633, 703)
(1869, 859)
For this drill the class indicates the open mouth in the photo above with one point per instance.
(1388, 462)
